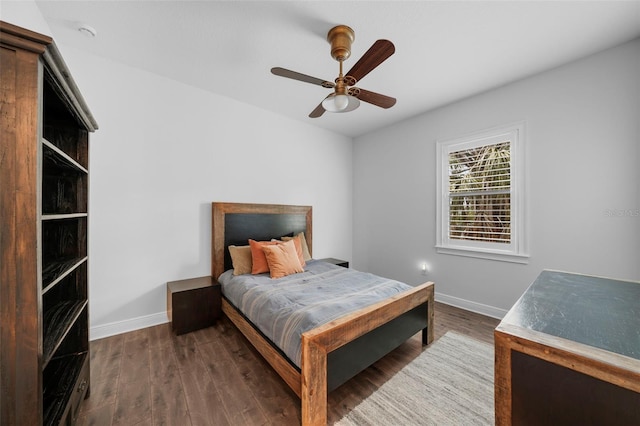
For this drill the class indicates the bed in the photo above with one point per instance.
(332, 352)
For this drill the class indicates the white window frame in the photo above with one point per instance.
(517, 250)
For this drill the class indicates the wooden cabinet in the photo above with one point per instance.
(44, 153)
(568, 353)
(193, 303)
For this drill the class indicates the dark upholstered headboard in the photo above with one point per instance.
(235, 223)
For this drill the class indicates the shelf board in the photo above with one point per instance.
(58, 320)
(63, 216)
(58, 271)
(64, 156)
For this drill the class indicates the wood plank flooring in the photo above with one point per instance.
(215, 377)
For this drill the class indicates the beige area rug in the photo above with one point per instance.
(449, 383)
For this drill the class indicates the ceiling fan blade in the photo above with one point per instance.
(301, 77)
(373, 98)
(318, 111)
(373, 57)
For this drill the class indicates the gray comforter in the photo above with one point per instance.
(285, 308)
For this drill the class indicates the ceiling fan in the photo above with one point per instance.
(346, 97)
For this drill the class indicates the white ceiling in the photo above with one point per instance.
(445, 50)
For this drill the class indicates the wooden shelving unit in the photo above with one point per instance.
(44, 266)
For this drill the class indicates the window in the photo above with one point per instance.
(481, 198)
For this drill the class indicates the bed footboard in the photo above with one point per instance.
(312, 382)
(318, 343)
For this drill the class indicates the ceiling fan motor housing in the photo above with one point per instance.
(341, 38)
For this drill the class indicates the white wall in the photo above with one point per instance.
(583, 140)
(163, 152)
(24, 13)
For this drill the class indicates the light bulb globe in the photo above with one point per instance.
(341, 102)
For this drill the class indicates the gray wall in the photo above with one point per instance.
(582, 136)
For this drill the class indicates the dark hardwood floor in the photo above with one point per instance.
(215, 377)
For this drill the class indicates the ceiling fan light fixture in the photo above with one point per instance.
(340, 103)
(346, 96)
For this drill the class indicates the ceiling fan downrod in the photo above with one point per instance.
(341, 86)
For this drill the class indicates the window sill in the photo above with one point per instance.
(484, 254)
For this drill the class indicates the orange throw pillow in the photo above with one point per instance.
(282, 259)
(299, 252)
(259, 263)
(303, 243)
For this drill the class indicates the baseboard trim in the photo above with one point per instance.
(119, 327)
(469, 305)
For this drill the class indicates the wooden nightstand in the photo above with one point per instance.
(193, 304)
(343, 263)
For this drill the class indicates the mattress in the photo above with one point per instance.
(284, 308)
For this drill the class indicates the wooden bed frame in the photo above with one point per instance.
(336, 351)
